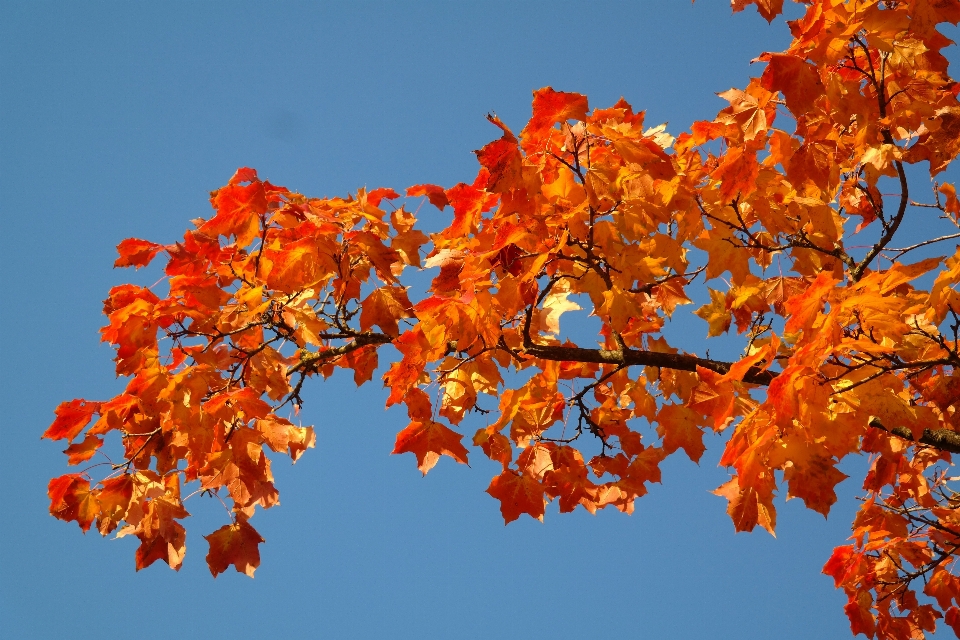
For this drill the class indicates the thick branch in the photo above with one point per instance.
(632, 357)
(360, 341)
(943, 439)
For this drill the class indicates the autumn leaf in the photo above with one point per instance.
(746, 113)
(72, 417)
(436, 195)
(238, 208)
(804, 307)
(71, 498)
(769, 9)
(502, 158)
(551, 107)
(844, 346)
(746, 507)
(428, 440)
(136, 253)
(81, 451)
(384, 307)
(679, 428)
(518, 494)
(716, 314)
(236, 544)
(795, 78)
(377, 196)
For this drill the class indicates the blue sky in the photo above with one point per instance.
(117, 119)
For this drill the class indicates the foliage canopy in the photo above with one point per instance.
(848, 340)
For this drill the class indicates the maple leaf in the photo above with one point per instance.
(744, 112)
(724, 256)
(679, 428)
(161, 536)
(502, 159)
(136, 253)
(746, 507)
(376, 196)
(769, 9)
(428, 440)
(939, 147)
(283, 436)
(551, 107)
(384, 307)
(436, 195)
(114, 501)
(716, 313)
(952, 204)
(72, 417)
(804, 307)
(71, 499)
(796, 79)
(737, 174)
(81, 451)
(518, 493)
(238, 208)
(236, 544)
(278, 288)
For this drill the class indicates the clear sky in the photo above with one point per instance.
(117, 119)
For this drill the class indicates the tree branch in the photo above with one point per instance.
(360, 341)
(633, 357)
(943, 439)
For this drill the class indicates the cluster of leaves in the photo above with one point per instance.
(845, 354)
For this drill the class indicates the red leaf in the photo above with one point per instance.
(238, 210)
(72, 417)
(435, 194)
(375, 196)
(72, 500)
(502, 159)
(551, 107)
(136, 253)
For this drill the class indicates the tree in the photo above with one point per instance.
(848, 340)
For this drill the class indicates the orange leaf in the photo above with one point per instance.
(795, 78)
(72, 499)
(72, 417)
(518, 494)
(238, 210)
(951, 204)
(136, 253)
(769, 9)
(435, 194)
(237, 544)
(502, 159)
(495, 445)
(170, 548)
(859, 613)
(375, 196)
(678, 426)
(384, 307)
(804, 307)
(746, 507)
(114, 500)
(83, 450)
(551, 107)
(715, 313)
(428, 440)
(737, 174)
